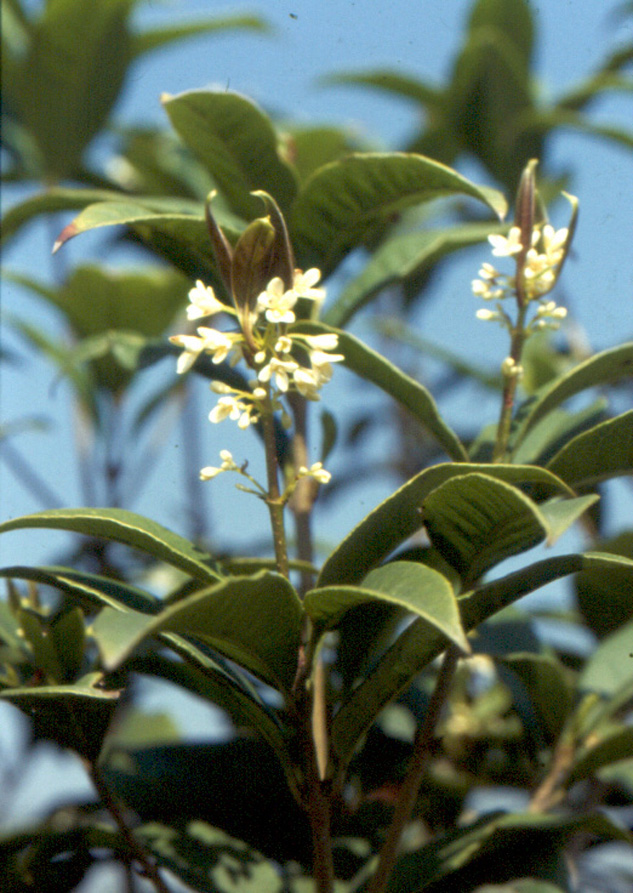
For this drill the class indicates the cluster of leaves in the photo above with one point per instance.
(331, 722)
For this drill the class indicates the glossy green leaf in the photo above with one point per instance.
(153, 38)
(312, 147)
(548, 688)
(68, 637)
(476, 521)
(611, 664)
(122, 526)
(413, 587)
(412, 395)
(399, 257)
(63, 87)
(420, 643)
(604, 596)
(135, 302)
(399, 517)
(560, 514)
(89, 590)
(604, 751)
(348, 201)
(605, 368)
(603, 452)
(255, 621)
(75, 716)
(555, 430)
(236, 143)
(51, 202)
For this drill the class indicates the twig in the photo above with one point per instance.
(413, 780)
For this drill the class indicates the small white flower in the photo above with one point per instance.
(307, 382)
(193, 347)
(277, 302)
(322, 342)
(281, 370)
(226, 407)
(304, 283)
(506, 246)
(203, 302)
(216, 343)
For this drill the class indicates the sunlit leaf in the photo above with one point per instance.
(122, 526)
(400, 516)
(236, 143)
(403, 584)
(603, 452)
(347, 201)
(255, 621)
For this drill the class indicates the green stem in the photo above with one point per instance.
(411, 785)
(509, 390)
(274, 499)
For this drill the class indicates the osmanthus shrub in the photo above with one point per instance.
(382, 694)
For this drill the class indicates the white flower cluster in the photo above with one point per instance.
(283, 361)
(539, 274)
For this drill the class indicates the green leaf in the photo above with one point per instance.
(122, 526)
(604, 596)
(348, 201)
(400, 257)
(63, 87)
(236, 143)
(51, 202)
(399, 517)
(199, 674)
(555, 430)
(89, 590)
(313, 147)
(135, 302)
(605, 368)
(371, 366)
(616, 745)
(255, 621)
(524, 885)
(547, 687)
(420, 643)
(153, 38)
(476, 521)
(75, 716)
(390, 81)
(404, 584)
(560, 514)
(209, 860)
(611, 664)
(497, 847)
(603, 452)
